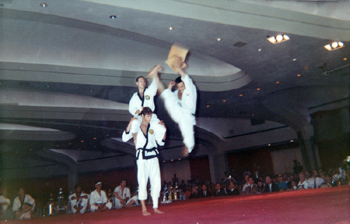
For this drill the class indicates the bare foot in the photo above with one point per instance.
(157, 211)
(146, 213)
(184, 151)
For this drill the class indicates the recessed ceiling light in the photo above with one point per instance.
(48, 86)
(218, 39)
(277, 82)
(334, 46)
(91, 90)
(43, 4)
(224, 101)
(107, 135)
(170, 28)
(294, 59)
(113, 16)
(171, 160)
(278, 39)
(268, 144)
(240, 94)
(82, 141)
(292, 140)
(259, 49)
(163, 161)
(258, 89)
(179, 158)
(208, 105)
(95, 138)
(299, 75)
(344, 59)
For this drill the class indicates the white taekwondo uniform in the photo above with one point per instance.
(96, 198)
(147, 160)
(81, 202)
(183, 111)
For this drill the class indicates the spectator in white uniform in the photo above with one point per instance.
(98, 199)
(181, 105)
(79, 200)
(4, 204)
(23, 205)
(122, 196)
(146, 137)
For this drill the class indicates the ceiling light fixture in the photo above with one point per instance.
(218, 39)
(277, 82)
(334, 46)
(43, 4)
(258, 89)
(294, 59)
(112, 16)
(344, 59)
(208, 105)
(240, 94)
(259, 49)
(278, 39)
(299, 75)
(170, 28)
(224, 101)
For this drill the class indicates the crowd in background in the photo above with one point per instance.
(233, 184)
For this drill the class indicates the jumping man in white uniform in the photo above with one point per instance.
(181, 104)
(146, 137)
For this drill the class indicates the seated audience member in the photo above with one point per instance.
(195, 192)
(339, 173)
(327, 182)
(23, 205)
(232, 189)
(245, 181)
(260, 186)
(282, 182)
(79, 200)
(218, 190)
(292, 186)
(98, 199)
(302, 185)
(122, 196)
(317, 178)
(310, 180)
(188, 191)
(269, 185)
(252, 188)
(4, 204)
(204, 193)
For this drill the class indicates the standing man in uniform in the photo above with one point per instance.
(146, 137)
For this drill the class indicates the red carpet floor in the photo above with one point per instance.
(330, 205)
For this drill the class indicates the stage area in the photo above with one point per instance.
(328, 205)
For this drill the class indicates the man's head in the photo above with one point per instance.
(146, 114)
(204, 187)
(250, 180)
(123, 183)
(180, 84)
(20, 192)
(231, 185)
(98, 185)
(268, 179)
(141, 82)
(77, 188)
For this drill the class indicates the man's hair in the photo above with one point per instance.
(137, 79)
(123, 180)
(178, 80)
(76, 186)
(146, 110)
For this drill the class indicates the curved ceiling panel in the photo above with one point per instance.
(54, 99)
(24, 132)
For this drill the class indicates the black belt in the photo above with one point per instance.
(144, 153)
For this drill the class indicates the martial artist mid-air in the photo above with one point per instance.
(180, 104)
(146, 137)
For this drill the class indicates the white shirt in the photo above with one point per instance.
(189, 95)
(149, 141)
(311, 182)
(17, 203)
(75, 195)
(95, 198)
(125, 194)
(4, 200)
(305, 184)
(136, 102)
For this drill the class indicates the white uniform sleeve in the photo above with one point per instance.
(16, 205)
(153, 87)
(133, 105)
(191, 88)
(159, 134)
(92, 198)
(126, 136)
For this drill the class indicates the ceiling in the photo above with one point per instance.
(68, 70)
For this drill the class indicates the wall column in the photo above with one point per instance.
(218, 166)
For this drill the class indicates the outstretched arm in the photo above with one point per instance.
(178, 67)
